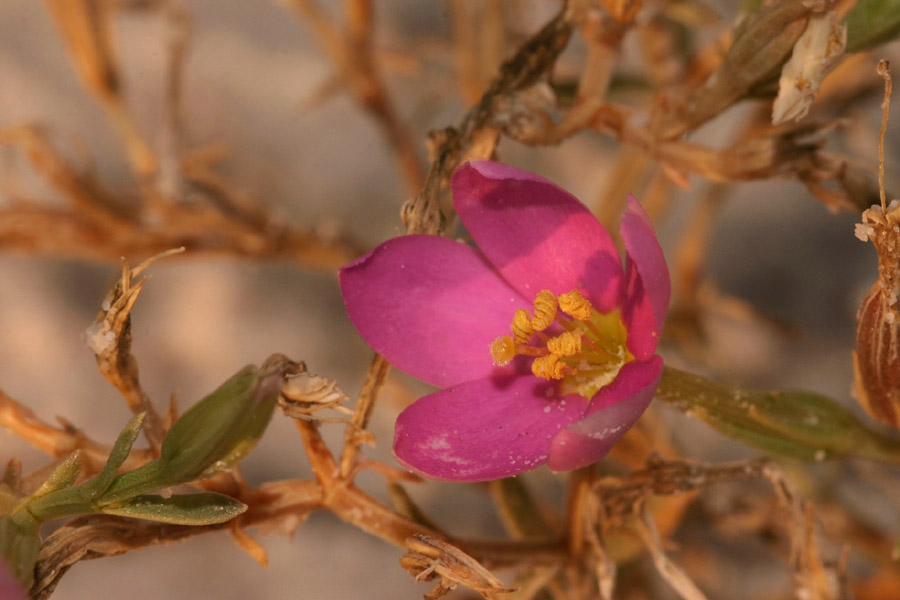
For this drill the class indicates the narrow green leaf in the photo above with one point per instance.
(63, 476)
(871, 23)
(796, 424)
(64, 501)
(185, 509)
(117, 456)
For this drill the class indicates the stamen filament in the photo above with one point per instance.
(526, 350)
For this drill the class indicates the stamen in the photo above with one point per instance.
(565, 344)
(548, 367)
(521, 326)
(503, 350)
(576, 305)
(567, 340)
(545, 305)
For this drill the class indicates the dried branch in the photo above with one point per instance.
(353, 437)
(86, 27)
(618, 495)
(668, 570)
(99, 226)
(813, 577)
(59, 441)
(349, 46)
(476, 135)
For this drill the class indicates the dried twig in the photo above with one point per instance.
(668, 570)
(375, 378)
(86, 26)
(813, 577)
(349, 46)
(100, 226)
(618, 495)
(59, 441)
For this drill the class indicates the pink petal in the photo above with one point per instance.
(431, 306)
(611, 413)
(643, 334)
(536, 234)
(10, 589)
(484, 429)
(643, 248)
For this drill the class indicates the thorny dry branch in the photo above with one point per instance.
(183, 202)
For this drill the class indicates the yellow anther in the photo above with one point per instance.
(521, 326)
(565, 344)
(576, 305)
(548, 367)
(544, 310)
(503, 349)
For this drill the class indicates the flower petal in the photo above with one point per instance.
(536, 234)
(642, 247)
(431, 306)
(484, 429)
(10, 589)
(643, 334)
(611, 413)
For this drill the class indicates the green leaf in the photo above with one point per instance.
(63, 476)
(871, 23)
(795, 424)
(53, 501)
(117, 457)
(185, 509)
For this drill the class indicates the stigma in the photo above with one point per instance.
(567, 340)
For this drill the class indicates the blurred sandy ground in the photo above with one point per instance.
(250, 68)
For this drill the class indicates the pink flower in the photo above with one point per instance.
(544, 345)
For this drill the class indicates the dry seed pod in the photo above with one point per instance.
(877, 356)
(876, 362)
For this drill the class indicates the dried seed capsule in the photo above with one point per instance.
(877, 356)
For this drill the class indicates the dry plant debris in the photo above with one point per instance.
(429, 558)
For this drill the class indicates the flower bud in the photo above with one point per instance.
(877, 356)
(214, 435)
(223, 427)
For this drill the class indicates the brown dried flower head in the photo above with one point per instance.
(428, 558)
(877, 356)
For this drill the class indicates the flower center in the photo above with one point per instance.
(569, 341)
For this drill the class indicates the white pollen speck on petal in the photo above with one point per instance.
(438, 442)
(547, 409)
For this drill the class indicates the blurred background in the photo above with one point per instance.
(783, 275)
